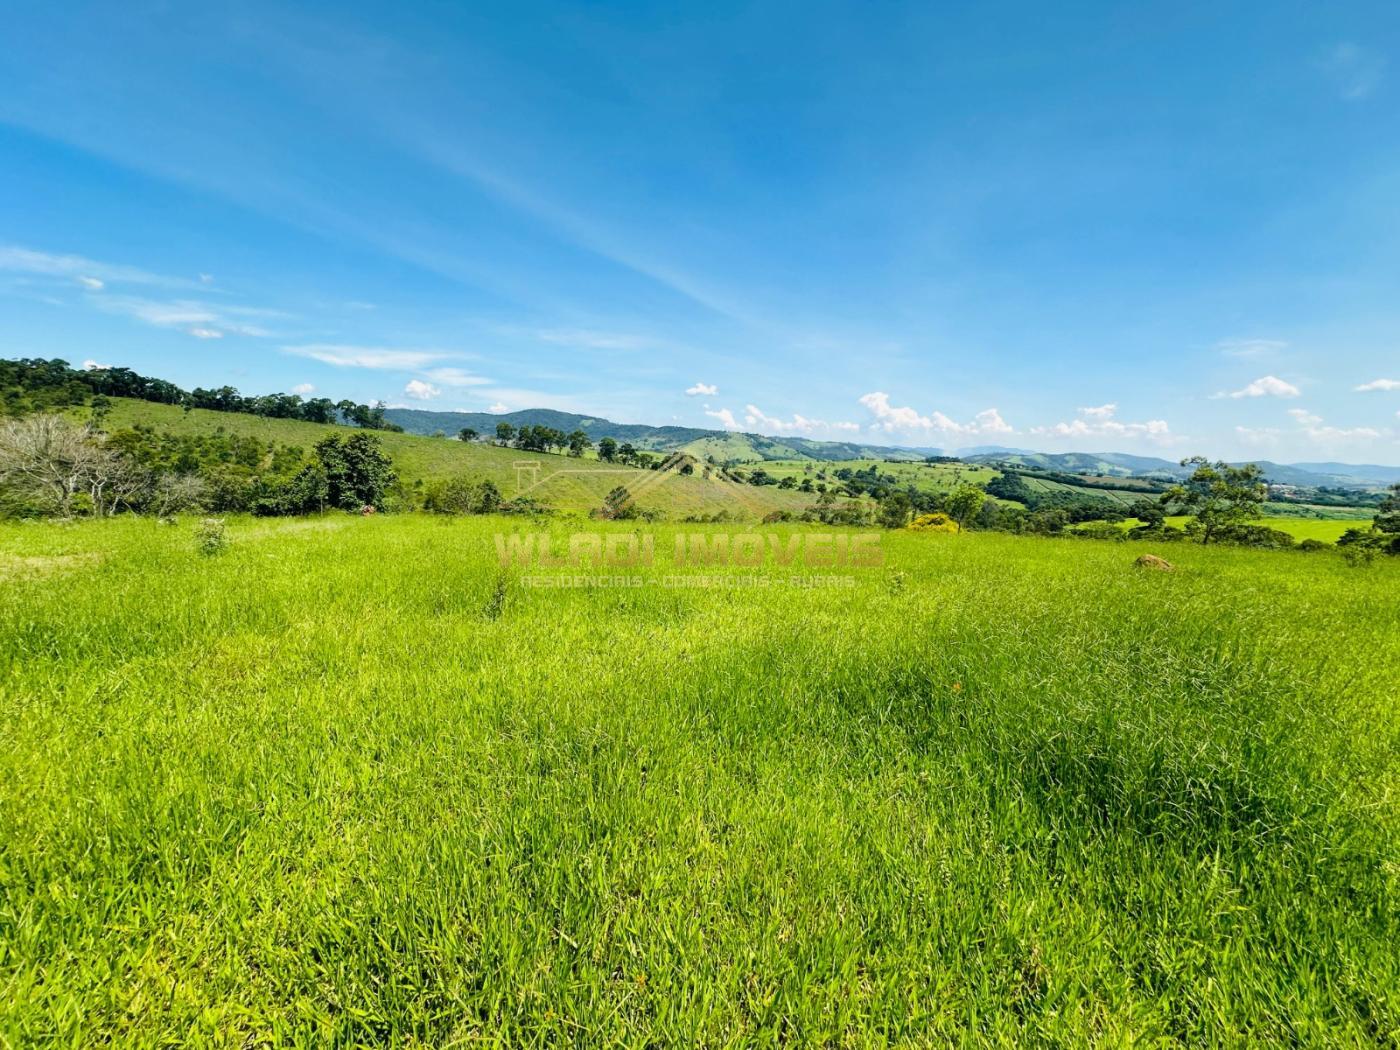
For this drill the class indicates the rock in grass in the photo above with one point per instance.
(1151, 561)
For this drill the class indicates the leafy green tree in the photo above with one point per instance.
(964, 503)
(1151, 513)
(505, 433)
(1388, 512)
(488, 498)
(607, 450)
(894, 511)
(101, 405)
(579, 442)
(467, 434)
(618, 505)
(1218, 495)
(627, 452)
(358, 473)
(1387, 520)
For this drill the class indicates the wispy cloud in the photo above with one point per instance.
(701, 390)
(1379, 384)
(1250, 347)
(1265, 386)
(303, 389)
(343, 356)
(196, 317)
(456, 377)
(200, 319)
(591, 339)
(1355, 72)
(570, 225)
(88, 272)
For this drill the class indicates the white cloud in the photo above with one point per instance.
(303, 389)
(725, 417)
(1266, 386)
(1315, 429)
(200, 319)
(92, 366)
(701, 390)
(766, 424)
(498, 408)
(421, 391)
(1379, 384)
(92, 283)
(343, 356)
(1100, 423)
(1250, 347)
(455, 377)
(1334, 434)
(895, 419)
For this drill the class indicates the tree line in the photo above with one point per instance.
(52, 466)
(34, 384)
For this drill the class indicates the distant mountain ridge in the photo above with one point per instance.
(722, 444)
(735, 446)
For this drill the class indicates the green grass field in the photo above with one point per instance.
(349, 781)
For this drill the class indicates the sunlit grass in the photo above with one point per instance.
(350, 781)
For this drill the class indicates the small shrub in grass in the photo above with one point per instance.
(1359, 555)
(935, 522)
(210, 537)
(1309, 546)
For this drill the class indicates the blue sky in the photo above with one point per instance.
(1160, 227)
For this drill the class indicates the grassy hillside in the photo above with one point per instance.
(352, 783)
(560, 481)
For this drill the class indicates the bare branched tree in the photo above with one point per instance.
(49, 461)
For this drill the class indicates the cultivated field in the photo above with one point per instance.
(350, 780)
